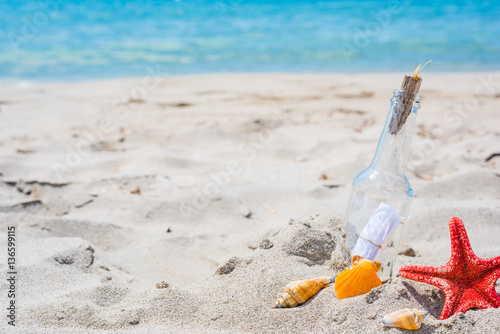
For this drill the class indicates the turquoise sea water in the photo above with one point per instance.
(75, 40)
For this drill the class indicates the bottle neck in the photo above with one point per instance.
(393, 149)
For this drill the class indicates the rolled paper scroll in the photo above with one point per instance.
(380, 226)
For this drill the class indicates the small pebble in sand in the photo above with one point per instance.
(162, 285)
(245, 211)
(266, 244)
(407, 251)
(229, 266)
(372, 296)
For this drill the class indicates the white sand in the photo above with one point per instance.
(90, 252)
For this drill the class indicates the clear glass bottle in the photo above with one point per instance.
(384, 181)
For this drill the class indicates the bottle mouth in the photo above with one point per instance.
(403, 97)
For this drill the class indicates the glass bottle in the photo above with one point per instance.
(384, 181)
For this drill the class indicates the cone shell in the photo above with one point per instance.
(409, 318)
(299, 292)
(359, 279)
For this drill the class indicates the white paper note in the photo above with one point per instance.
(380, 226)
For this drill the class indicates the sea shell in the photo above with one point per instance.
(299, 292)
(359, 279)
(407, 318)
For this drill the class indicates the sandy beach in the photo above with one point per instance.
(185, 204)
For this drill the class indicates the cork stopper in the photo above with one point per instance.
(411, 84)
(409, 90)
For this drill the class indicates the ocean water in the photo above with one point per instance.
(79, 40)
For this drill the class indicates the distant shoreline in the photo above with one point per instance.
(8, 81)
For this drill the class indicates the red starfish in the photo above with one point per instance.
(466, 280)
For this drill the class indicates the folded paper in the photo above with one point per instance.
(380, 226)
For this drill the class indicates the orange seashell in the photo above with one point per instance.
(407, 318)
(359, 279)
(299, 292)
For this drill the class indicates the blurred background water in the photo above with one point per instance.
(77, 40)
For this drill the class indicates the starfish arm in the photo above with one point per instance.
(491, 266)
(426, 274)
(478, 298)
(486, 280)
(461, 250)
(492, 298)
(451, 302)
